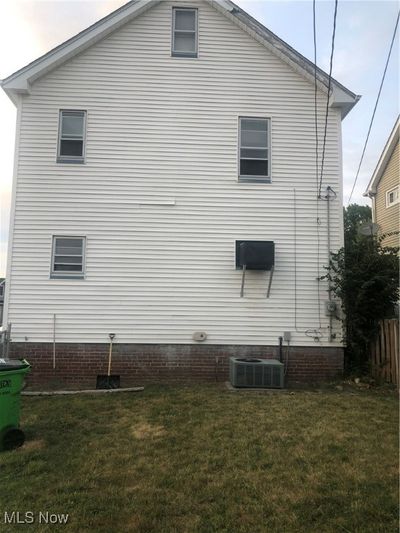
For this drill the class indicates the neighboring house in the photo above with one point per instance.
(146, 147)
(384, 189)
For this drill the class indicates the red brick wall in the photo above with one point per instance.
(77, 365)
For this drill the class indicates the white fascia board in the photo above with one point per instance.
(222, 4)
(339, 97)
(19, 82)
(383, 160)
(14, 95)
(343, 100)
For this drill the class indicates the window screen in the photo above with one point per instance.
(254, 148)
(184, 32)
(68, 256)
(71, 136)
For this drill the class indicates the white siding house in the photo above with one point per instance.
(157, 197)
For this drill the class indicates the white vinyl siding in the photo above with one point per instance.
(254, 149)
(68, 257)
(159, 199)
(184, 32)
(71, 137)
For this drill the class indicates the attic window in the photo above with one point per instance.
(71, 137)
(184, 32)
(392, 197)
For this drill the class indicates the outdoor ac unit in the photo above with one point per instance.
(256, 373)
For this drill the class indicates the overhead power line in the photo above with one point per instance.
(328, 95)
(315, 91)
(316, 154)
(376, 105)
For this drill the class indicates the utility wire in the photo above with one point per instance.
(327, 98)
(315, 91)
(316, 154)
(376, 105)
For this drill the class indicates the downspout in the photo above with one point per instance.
(328, 216)
(373, 198)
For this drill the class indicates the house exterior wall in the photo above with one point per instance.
(158, 198)
(388, 218)
(78, 365)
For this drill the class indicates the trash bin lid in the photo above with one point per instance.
(12, 364)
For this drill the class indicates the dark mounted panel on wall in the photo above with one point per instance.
(256, 255)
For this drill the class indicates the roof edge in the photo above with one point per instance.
(20, 80)
(341, 96)
(384, 159)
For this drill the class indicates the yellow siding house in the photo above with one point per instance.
(384, 189)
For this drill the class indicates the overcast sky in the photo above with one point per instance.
(29, 28)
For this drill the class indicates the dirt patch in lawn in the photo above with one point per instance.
(144, 430)
(34, 445)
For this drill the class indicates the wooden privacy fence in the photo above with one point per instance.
(385, 352)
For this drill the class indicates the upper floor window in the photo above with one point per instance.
(68, 257)
(71, 137)
(392, 196)
(184, 32)
(254, 149)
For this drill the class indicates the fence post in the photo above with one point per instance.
(396, 352)
(387, 349)
(385, 353)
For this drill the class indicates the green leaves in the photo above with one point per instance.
(364, 275)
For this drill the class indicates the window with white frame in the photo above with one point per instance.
(392, 196)
(184, 32)
(68, 257)
(71, 137)
(254, 149)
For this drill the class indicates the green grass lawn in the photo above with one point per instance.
(204, 459)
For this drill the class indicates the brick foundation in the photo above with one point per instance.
(77, 365)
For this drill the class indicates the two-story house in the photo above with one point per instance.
(384, 190)
(149, 147)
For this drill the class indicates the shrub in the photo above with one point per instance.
(364, 275)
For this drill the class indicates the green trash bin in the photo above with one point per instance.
(12, 373)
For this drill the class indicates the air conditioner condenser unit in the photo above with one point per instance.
(256, 373)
